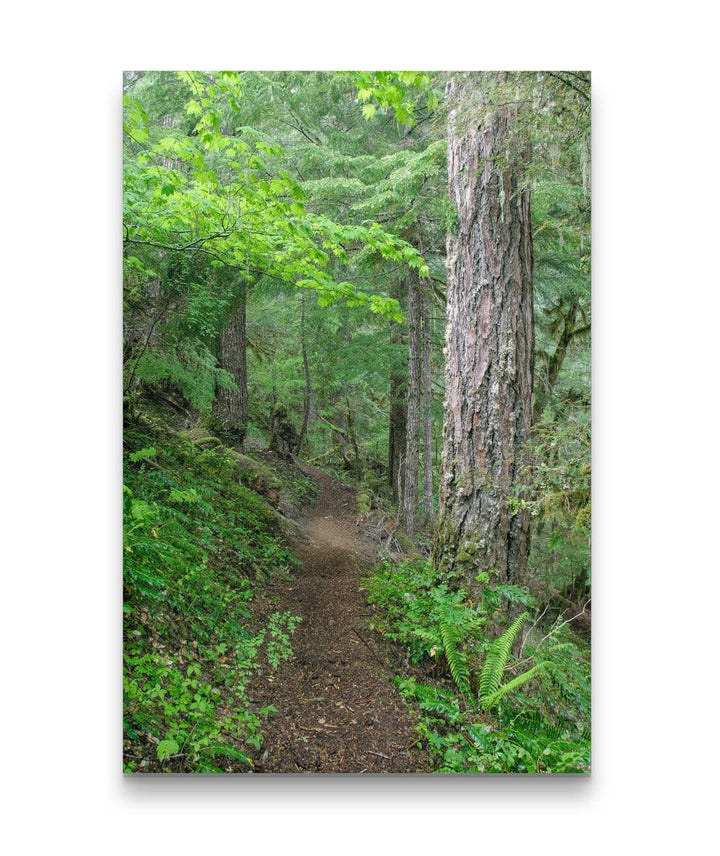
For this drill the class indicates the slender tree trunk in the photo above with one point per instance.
(353, 439)
(306, 367)
(412, 448)
(230, 408)
(427, 410)
(398, 422)
(489, 343)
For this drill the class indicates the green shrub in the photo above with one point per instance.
(195, 543)
(537, 708)
(413, 605)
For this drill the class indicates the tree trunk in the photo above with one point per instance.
(398, 423)
(427, 410)
(412, 449)
(230, 409)
(283, 436)
(306, 367)
(489, 344)
(353, 439)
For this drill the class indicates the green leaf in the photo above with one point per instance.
(143, 454)
(167, 748)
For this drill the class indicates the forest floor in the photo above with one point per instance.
(338, 710)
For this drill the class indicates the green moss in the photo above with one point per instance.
(254, 472)
(364, 500)
(200, 437)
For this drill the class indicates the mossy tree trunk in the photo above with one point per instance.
(489, 340)
(283, 436)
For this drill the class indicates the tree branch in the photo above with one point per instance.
(569, 83)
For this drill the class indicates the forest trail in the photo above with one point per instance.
(338, 711)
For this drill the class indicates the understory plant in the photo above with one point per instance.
(489, 698)
(197, 542)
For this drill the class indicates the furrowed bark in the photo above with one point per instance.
(489, 342)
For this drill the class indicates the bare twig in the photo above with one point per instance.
(555, 629)
(340, 431)
(569, 83)
(530, 630)
(517, 663)
(384, 665)
(310, 728)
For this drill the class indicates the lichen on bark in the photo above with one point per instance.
(489, 339)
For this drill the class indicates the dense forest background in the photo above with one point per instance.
(295, 246)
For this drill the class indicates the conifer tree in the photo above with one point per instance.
(489, 337)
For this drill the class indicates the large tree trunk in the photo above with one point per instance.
(489, 343)
(412, 446)
(427, 410)
(230, 409)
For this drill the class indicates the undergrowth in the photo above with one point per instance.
(197, 543)
(494, 693)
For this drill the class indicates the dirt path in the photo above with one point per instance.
(339, 713)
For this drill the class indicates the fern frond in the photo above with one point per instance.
(490, 701)
(533, 725)
(455, 657)
(497, 658)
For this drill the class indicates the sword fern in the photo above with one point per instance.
(491, 690)
(455, 657)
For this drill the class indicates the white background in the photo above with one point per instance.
(655, 311)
